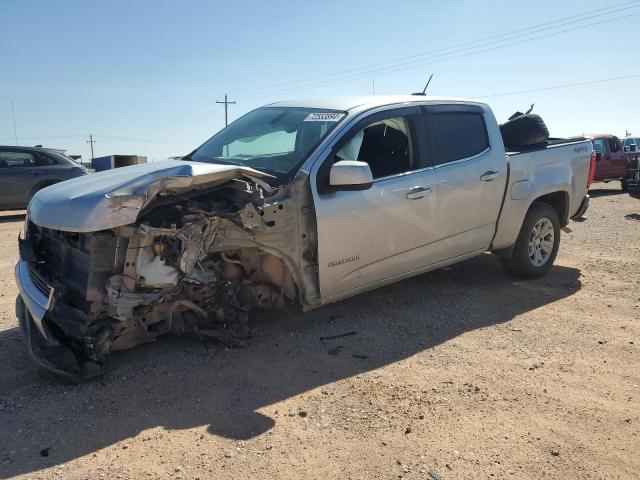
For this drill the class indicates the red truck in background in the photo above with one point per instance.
(612, 162)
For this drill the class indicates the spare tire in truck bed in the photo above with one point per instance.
(523, 131)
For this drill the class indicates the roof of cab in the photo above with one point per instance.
(370, 101)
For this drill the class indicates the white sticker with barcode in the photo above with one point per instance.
(324, 117)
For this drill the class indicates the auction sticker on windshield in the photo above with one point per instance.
(324, 117)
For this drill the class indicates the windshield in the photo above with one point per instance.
(275, 140)
(599, 146)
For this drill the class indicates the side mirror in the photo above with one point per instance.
(350, 175)
(598, 156)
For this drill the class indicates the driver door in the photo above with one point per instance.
(368, 237)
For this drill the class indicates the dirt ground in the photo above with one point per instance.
(462, 373)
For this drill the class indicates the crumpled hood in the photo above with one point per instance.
(114, 198)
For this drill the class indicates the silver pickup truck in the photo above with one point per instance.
(300, 203)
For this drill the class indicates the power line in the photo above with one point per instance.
(226, 109)
(138, 139)
(189, 122)
(83, 135)
(432, 60)
(179, 117)
(533, 90)
(417, 60)
(185, 122)
(600, 11)
(557, 87)
(408, 62)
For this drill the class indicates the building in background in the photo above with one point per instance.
(116, 161)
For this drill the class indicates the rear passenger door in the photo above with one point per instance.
(470, 178)
(19, 173)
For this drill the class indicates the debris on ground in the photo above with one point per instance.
(433, 473)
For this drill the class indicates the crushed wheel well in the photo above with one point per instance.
(560, 202)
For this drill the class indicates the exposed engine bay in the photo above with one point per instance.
(197, 261)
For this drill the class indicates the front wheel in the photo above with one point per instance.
(537, 244)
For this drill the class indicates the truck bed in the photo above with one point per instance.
(558, 165)
(551, 142)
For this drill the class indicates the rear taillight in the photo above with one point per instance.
(80, 170)
(592, 169)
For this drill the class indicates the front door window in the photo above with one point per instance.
(385, 145)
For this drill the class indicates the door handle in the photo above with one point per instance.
(417, 193)
(37, 172)
(488, 176)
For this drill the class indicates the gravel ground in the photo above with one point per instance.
(459, 373)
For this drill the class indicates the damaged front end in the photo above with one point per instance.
(193, 261)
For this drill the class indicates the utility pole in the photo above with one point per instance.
(13, 114)
(226, 109)
(373, 86)
(91, 141)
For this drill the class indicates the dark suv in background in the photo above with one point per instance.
(25, 170)
(631, 147)
(628, 141)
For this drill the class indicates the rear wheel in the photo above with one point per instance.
(624, 183)
(537, 244)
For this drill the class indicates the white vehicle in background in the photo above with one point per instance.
(304, 202)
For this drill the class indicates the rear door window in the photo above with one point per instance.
(458, 135)
(43, 160)
(614, 145)
(10, 159)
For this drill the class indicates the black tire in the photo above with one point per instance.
(520, 264)
(624, 183)
(524, 131)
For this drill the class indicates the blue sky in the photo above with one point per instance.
(143, 76)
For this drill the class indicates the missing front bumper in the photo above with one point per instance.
(49, 353)
(46, 349)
